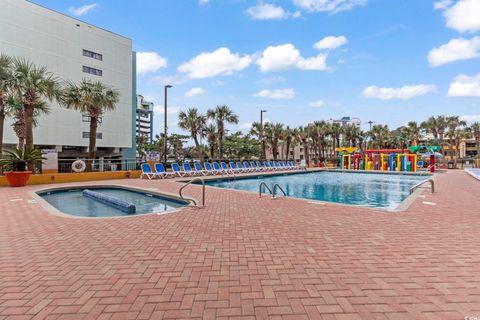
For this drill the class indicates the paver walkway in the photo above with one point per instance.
(244, 258)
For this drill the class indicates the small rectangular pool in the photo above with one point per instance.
(72, 201)
(373, 190)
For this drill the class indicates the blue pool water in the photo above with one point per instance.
(72, 202)
(369, 190)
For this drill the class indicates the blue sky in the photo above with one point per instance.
(389, 61)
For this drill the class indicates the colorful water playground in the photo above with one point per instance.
(410, 159)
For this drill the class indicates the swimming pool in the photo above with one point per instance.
(72, 201)
(385, 191)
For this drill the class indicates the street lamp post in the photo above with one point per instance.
(262, 143)
(165, 148)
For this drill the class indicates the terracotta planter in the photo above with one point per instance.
(18, 178)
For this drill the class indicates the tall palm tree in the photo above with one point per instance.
(335, 132)
(92, 98)
(302, 135)
(273, 134)
(413, 132)
(194, 122)
(221, 115)
(34, 86)
(6, 75)
(379, 134)
(288, 140)
(475, 129)
(453, 123)
(210, 132)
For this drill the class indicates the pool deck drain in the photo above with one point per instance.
(244, 258)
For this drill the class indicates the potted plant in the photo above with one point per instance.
(15, 165)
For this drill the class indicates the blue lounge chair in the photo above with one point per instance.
(226, 169)
(267, 166)
(273, 166)
(208, 169)
(217, 168)
(147, 171)
(176, 169)
(292, 165)
(199, 169)
(187, 168)
(161, 172)
(241, 167)
(234, 168)
(248, 167)
(260, 167)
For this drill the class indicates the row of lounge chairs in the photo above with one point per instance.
(216, 168)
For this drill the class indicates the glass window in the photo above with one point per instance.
(91, 54)
(96, 72)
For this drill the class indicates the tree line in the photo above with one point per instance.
(317, 140)
(26, 90)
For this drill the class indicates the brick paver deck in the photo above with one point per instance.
(244, 258)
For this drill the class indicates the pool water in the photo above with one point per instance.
(72, 202)
(385, 191)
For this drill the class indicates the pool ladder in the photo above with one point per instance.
(272, 192)
(432, 185)
(190, 199)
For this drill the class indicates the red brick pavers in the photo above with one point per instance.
(244, 258)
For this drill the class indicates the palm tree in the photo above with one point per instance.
(453, 123)
(413, 132)
(210, 132)
(288, 140)
(302, 135)
(273, 134)
(33, 86)
(5, 81)
(379, 134)
(221, 115)
(475, 129)
(194, 122)
(335, 132)
(93, 99)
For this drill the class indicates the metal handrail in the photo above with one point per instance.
(260, 189)
(192, 200)
(275, 186)
(432, 185)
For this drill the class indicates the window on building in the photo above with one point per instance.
(93, 71)
(86, 135)
(91, 54)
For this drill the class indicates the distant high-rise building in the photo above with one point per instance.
(344, 121)
(144, 120)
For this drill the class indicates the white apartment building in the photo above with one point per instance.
(73, 50)
(144, 119)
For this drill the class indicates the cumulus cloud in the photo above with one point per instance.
(203, 2)
(405, 92)
(267, 11)
(454, 50)
(442, 4)
(83, 10)
(160, 110)
(330, 42)
(195, 92)
(276, 94)
(469, 119)
(246, 125)
(150, 62)
(286, 56)
(463, 16)
(316, 104)
(465, 86)
(332, 6)
(211, 64)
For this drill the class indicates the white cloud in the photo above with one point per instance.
(276, 94)
(405, 92)
(195, 92)
(267, 11)
(469, 119)
(463, 16)
(442, 4)
(160, 110)
(332, 6)
(83, 10)
(149, 62)
(330, 42)
(465, 86)
(211, 64)
(203, 2)
(286, 56)
(246, 125)
(316, 104)
(454, 50)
